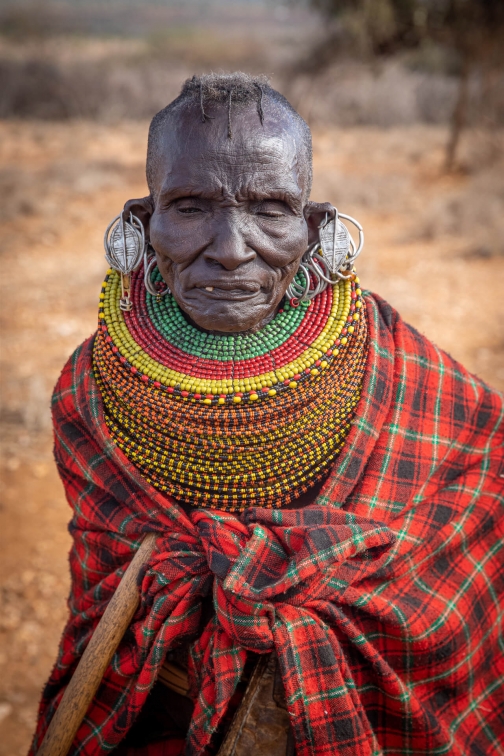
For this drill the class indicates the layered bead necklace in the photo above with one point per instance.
(230, 421)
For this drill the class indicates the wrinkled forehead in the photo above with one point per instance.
(258, 158)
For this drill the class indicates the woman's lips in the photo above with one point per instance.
(235, 291)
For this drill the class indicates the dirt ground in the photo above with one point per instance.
(434, 249)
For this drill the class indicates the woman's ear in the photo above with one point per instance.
(142, 209)
(315, 214)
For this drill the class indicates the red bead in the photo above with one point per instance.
(170, 389)
(145, 378)
(134, 369)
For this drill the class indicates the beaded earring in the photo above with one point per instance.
(124, 243)
(328, 259)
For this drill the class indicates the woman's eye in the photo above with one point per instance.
(270, 213)
(188, 210)
(272, 210)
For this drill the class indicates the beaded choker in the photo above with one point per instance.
(230, 421)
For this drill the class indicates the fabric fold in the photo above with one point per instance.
(263, 581)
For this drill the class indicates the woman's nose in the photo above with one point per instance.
(229, 247)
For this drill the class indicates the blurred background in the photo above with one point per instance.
(406, 102)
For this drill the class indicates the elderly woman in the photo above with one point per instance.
(325, 484)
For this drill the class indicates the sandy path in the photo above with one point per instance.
(63, 183)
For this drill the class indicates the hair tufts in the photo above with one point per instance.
(259, 104)
(230, 131)
(231, 91)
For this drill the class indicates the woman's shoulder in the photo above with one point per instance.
(425, 379)
(74, 378)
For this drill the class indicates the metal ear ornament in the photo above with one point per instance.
(338, 248)
(124, 243)
(156, 290)
(329, 259)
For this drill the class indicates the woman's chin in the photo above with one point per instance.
(230, 316)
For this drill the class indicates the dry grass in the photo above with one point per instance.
(63, 76)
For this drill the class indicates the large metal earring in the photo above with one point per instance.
(337, 246)
(327, 260)
(124, 243)
(149, 265)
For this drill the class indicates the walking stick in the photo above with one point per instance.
(98, 654)
(96, 658)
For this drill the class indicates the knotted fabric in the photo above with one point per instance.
(382, 600)
(275, 579)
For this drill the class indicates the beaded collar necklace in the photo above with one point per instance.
(230, 421)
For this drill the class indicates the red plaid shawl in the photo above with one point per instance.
(381, 600)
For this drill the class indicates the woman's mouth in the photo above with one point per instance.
(230, 290)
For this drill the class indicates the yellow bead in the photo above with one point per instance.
(221, 401)
(237, 399)
(292, 384)
(358, 305)
(314, 371)
(324, 364)
(207, 401)
(272, 392)
(344, 340)
(356, 316)
(253, 397)
(351, 329)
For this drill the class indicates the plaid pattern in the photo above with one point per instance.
(381, 600)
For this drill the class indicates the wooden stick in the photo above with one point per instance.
(228, 747)
(96, 658)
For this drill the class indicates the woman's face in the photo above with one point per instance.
(230, 221)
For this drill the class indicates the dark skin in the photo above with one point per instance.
(232, 215)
